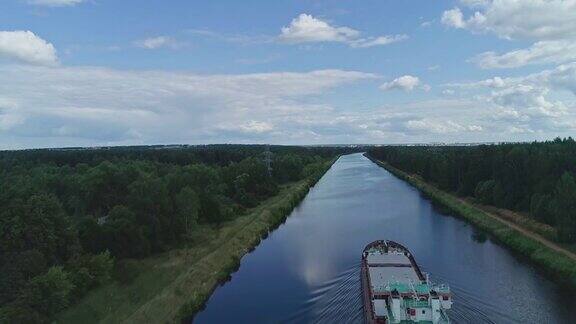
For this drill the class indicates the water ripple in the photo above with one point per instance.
(335, 301)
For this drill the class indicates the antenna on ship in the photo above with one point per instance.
(268, 160)
(411, 284)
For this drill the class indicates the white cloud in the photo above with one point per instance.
(536, 103)
(426, 23)
(98, 106)
(495, 82)
(529, 98)
(520, 129)
(55, 3)
(535, 106)
(515, 19)
(550, 23)
(231, 38)
(245, 128)
(440, 126)
(540, 52)
(475, 3)
(258, 127)
(453, 18)
(60, 106)
(9, 115)
(8, 121)
(406, 83)
(562, 77)
(434, 126)
(158, 42)
(25, 46)
(377, 41)
(308, 29)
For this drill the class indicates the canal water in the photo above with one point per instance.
(308, 270)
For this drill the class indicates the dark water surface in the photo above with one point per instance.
(308, 269)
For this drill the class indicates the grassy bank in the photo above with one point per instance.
(546, 255)
(175, 285)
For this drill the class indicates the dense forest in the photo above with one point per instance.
(536, 178)
(68, 214)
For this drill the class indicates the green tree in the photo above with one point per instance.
(17, 268)
(39, 223)
(540, 208)
(93, 236)
(288, 167)
(565, 204)
(126, 237)
(187, 208)
(150, 200)
(90, 271)
(485, 191)
(69, 207)
(15, 313)
(48, 293)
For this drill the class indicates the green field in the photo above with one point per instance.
(547, 255)
(171, 286)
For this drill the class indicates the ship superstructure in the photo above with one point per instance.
(396, 291)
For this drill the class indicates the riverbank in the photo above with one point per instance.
(532, 244)
(173, 286)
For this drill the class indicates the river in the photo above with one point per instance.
(308, 270)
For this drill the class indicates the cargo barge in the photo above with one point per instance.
(396, 291)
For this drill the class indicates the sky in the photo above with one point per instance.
(133, 72)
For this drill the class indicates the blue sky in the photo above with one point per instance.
(104, 72)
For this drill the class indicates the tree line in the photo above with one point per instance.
(67, 215)
(536, 178)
